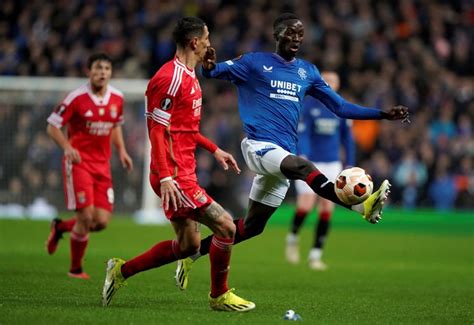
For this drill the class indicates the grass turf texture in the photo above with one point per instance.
(414, 267)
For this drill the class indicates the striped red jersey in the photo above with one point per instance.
(174, 103)
(90, 120)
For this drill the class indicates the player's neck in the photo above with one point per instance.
(188, 58)
(98, 91)
(286, 56)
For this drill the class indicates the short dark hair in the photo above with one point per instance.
(284, 17)
(187, 28)
(98, 57)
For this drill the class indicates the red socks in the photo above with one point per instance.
(325, 215)
(78, 248)
(301, 214)
(162, 253)
(168, 251)
(219, 255)
(323, 187)
(66, 225)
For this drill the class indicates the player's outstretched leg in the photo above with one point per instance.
(114, 280)
(54, 236)
(182, 272)
(229, 301)
(372, 207)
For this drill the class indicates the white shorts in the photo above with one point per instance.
(264, 158)
(329, 169)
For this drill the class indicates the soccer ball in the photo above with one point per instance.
(353, 185)
(291, 315)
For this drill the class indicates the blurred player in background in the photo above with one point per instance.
(320, 135)
(173, 115)
(271, 88)
(93, 114)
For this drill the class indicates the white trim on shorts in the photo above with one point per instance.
(329, 169)
(70, 192)
(269, 186)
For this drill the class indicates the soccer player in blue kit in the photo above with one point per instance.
(271, 88)
(320, 137)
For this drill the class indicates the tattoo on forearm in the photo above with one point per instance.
(197, 226)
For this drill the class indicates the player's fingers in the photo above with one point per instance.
(130, 165)
(165, 200)
(76, 157)
(174, 204)
(178, 198)
(234, 165)
(224, 164)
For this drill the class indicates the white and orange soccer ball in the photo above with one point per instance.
(353, 185)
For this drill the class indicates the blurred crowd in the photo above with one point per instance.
(414, 53)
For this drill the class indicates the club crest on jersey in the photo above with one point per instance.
(81, 197)
(113, 111)
(267, 69)
(166, 104)
(302, 73)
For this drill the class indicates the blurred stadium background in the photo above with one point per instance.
(415, 53)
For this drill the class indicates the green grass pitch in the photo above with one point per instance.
(412, 268)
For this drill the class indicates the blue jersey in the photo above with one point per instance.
(321, 133)
(271, 92)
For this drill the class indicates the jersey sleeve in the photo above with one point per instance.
(347, 141)
(158, 145)
(236, 70)
(206, 143)
(319, 89)
(62, 114)
(161, 98)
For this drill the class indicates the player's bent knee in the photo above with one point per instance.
(295, 167)
(228, 228)
(98, 226)
(220, 221)
(85, 218)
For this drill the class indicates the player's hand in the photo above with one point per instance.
(209, 60)
(126, 161)
(170, 196)
(72, 155)
(226, 159)
(398, 112)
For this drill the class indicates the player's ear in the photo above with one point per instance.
(275, 36)
(193, 43)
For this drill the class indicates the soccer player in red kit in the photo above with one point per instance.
(93, 116)
(173, 115)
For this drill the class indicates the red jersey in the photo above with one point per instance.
(90, 120)
(174, 103)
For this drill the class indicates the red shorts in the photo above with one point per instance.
(193, 198)
(88, 183)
